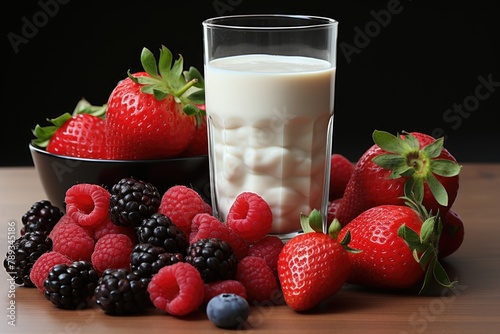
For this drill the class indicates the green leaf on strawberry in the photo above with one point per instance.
(406, 159)
(425, 246)
(43, 134)
(187, 87)
(314, 223)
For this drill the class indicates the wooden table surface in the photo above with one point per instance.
(473, 307)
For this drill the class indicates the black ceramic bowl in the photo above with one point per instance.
(59, 173)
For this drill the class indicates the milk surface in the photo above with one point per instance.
(269, 118)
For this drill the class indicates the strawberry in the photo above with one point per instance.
(340, 172)
(153, 114)
(332, 208)
(80, 134)
(199, 143)
(398, 248)
(412, 161)
(452, 235)
(313, 266)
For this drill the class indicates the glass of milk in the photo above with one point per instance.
(269, 93)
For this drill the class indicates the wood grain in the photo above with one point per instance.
(473, 307)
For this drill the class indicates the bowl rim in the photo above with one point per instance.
(39, 150)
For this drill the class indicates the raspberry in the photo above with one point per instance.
(227, 286)
(206, 226)
(177, 289)
(44, 264)
(112, 251)
(259, 280)
(72, 239)
(108, 227)
(269, 249)
(181, 204)
(250, 216)
(87, 204)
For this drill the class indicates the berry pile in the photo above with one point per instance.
(131, 248)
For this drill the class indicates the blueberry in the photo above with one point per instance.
(228, 310)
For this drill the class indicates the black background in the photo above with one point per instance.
(406, 70)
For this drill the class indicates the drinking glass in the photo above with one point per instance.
(269, 94)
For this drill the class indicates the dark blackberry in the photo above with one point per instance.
(147, 259)
(214, 259)
(121, 292)
(23, 253)
(71, 286)
(42, 216)
(132, 201)
(159, 230)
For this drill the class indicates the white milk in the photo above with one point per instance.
(269, 121)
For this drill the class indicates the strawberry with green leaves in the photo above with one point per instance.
(79, 134)
(398, 248)
(412, 163)
(313, 266)
(154, 114)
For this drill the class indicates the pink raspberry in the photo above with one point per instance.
(177, 289)
(108, 227)
(44, 264)
(181, 204)
(227, 286)
(87, 204)
(259, 280)
(269, 249)
(112, 251)
(250, 216)
(206, 226)
(72, 239)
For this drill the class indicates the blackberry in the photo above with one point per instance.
(42, 216)
(121, 292)
(214, 259)
(132, 201)
(71, 286)
(147, 259)
(159, 230)
(23, 253)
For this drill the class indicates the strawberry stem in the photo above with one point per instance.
(406, 159)
(184, 89)
(425, 246)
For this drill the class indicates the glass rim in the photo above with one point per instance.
(315, 21)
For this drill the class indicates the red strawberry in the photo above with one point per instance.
(312, 266)
(153, 114)
(340, 172)
(414, 162)
(333, 207)
(452, 235)
(199, 143)
(80, 134)
(397, 248)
